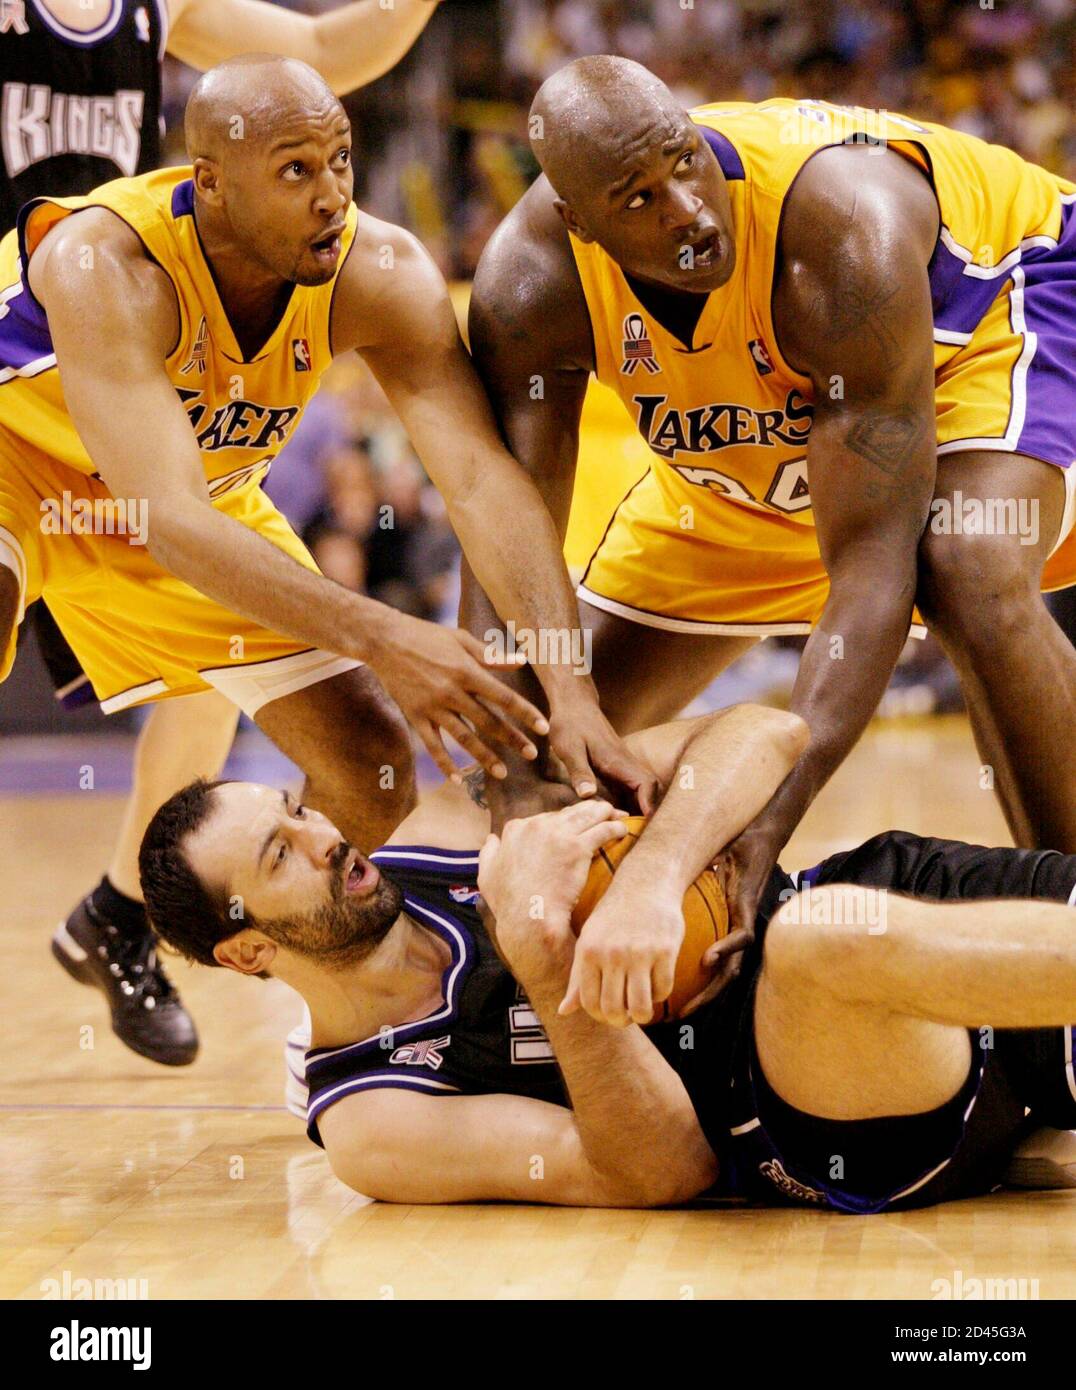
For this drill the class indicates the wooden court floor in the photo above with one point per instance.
(198, 1183)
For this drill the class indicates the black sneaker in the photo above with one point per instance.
(147, 1013)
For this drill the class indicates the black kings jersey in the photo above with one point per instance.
(486, 1038)
(77, 110)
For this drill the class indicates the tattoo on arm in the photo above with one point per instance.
(888, 439)
(857, 309)
(475, 782)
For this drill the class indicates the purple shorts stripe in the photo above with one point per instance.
(958, 301)
(1048, 310)
(24, 332)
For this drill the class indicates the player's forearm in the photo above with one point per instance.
(351, 45)
(843, 674)
(727, 772)
(361, 41)
(514, 551)
(636, 1122)
(233, 565)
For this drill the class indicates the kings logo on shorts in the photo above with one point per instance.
(421, 1054)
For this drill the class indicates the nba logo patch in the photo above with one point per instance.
(300, 350)
(638, 349)
(761, 358)
(142, 23)
(13, 16)
(460, 893)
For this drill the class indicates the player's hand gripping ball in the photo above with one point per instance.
(706, 919)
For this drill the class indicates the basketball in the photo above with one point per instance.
(706, 919)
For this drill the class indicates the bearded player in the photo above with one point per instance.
(847, 338)
(449, 1054)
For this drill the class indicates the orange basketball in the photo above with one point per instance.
(706, 919)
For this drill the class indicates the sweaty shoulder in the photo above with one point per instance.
(527, 293)
(92, 266)
(857, 222)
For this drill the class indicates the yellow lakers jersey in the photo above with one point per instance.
(242, 411)
(725, 412)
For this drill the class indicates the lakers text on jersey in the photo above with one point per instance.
(718, 536)
(139, 632)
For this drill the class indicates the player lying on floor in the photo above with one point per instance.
(857, 1067)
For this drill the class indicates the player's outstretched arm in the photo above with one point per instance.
(853, 313)
(401, 1147)
(720, 770)
(392, 305)
(114, 320)
(531, 342)
(350, 46)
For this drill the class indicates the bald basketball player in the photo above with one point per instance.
(847, 1068)
(60, 60)
(191, 313)
(847, 338)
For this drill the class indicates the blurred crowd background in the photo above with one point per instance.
(441, 147)
(441, 142)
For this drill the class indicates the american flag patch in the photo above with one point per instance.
(638, 349)
(199, 349)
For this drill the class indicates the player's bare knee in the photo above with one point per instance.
(819, 936)
(976, 588)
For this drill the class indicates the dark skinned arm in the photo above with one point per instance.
(531, 342)
(399, 318)
(853, 313)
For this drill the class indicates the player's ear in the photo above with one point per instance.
(207, 180)
(571, 221)
(247, 953)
